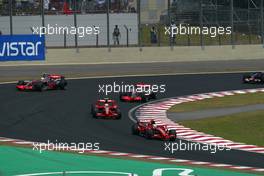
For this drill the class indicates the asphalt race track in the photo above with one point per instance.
(65, 116)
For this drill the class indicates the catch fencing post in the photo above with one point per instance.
(217, 21)
(189, 39)
(10, 4)
(75, 25)
(108, 25)
(248, 23)
(65, 39)
(201, 25)
(159, 35)
(262, 23)
(139, 25)
(232, 22)
(127, 34)
(96, 39)
(43, 21)
(170, 24)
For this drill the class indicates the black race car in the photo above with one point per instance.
(254, 78)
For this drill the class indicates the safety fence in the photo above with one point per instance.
(139, 22)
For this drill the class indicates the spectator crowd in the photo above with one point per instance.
(32, 7)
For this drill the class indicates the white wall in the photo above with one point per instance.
(22, 25)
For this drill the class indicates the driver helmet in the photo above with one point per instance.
(44, 75)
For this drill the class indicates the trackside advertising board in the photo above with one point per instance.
(22, 47)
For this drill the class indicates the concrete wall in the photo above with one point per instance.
(157, 54)
(22, 25)
(149, 54)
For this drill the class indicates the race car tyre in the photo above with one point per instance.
(119, 114)
(149, 134)
(144, 99)
(135, 130)
(172, 138)
(153, 96)
(38, 86)
(93, 111)
(44, 87)
(173, 132)
(94, 114)
(62, 84)
(262, 79)
(120, 97)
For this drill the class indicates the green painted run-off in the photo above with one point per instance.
(15, 161)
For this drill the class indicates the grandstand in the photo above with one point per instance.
(214, 11)
(246, 14)
(152, 10)
(32, 7)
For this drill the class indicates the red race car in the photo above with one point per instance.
(141, 93)
(151, 130)
(106, 109)
(47, 82)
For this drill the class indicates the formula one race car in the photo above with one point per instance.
(106, 109)
(254, 78)
(141, 93)
(151, 130)
(47, 82)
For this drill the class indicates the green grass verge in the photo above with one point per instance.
(223, 102)
(243, 127)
